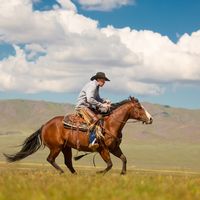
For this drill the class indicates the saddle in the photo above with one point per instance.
(75, 122)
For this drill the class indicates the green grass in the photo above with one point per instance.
(24, 182)
(154, 155)
(156, 171)
(162, 159)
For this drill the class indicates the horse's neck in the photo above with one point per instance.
(119, 117)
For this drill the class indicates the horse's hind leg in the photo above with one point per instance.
(104, 152)
(51, 158)
(67, 152)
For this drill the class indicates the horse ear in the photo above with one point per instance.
(134, 99)
(131, 98)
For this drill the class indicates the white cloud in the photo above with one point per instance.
(20, 24)
(67, 4)
(162, 60)
(59, 50)
(104, 5)
(33, 51)
(190, 44)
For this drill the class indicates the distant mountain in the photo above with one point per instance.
(25, 115)
(170, 124)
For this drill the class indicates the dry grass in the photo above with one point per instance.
(24, 182)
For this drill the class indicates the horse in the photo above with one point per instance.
(57, 138)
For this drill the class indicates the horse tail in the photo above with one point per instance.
(29, 146)
(81, 156)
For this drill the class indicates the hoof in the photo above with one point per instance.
(123, 173)
(99, 172)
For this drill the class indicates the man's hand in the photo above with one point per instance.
(107, 101)
(105, 107)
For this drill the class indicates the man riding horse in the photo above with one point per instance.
(90, 104)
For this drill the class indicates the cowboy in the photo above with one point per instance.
(89, 102)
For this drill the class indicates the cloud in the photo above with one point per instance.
(67, 4)
(104, 5)
(59, 50)
(190, 44)
(42, 27)
(162, 60)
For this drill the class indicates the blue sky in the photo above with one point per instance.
(147, 20)
(169, 17)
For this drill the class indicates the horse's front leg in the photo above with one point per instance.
(118, 153)
(105, 154)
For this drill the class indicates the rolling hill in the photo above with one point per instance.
(20, 116)
(171, 142)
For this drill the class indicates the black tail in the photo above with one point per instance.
(79, 157)
(30, 146)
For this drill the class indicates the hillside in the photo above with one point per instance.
(23, 115)
(20, 116)
(171, 142)
(170, 124)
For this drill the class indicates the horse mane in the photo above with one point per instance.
(118, 104)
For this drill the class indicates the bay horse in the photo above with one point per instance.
(57, 138)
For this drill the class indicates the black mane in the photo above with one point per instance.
(118, 104)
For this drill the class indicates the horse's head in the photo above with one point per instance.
(138, 112)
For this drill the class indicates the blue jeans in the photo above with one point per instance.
(92, 136)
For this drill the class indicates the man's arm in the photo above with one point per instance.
(99, 98)
(90, 92)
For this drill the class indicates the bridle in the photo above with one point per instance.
(130, 122)
(124, 122)
(120, 121)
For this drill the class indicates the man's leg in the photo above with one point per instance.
(92, 115)
(91, 119)
(89, 116)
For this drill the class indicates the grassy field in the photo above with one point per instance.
(140, 154)
(163, 159)
(164, 171)
(36, 182)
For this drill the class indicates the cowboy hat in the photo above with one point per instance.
(99, 75)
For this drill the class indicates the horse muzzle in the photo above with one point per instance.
(149, 121)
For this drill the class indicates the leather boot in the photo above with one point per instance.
(93, 146)
(92, 115)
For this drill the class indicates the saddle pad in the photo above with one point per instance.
(74, 121)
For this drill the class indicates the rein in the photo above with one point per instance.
(124, 122)
(133, 122)
(113, 136)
